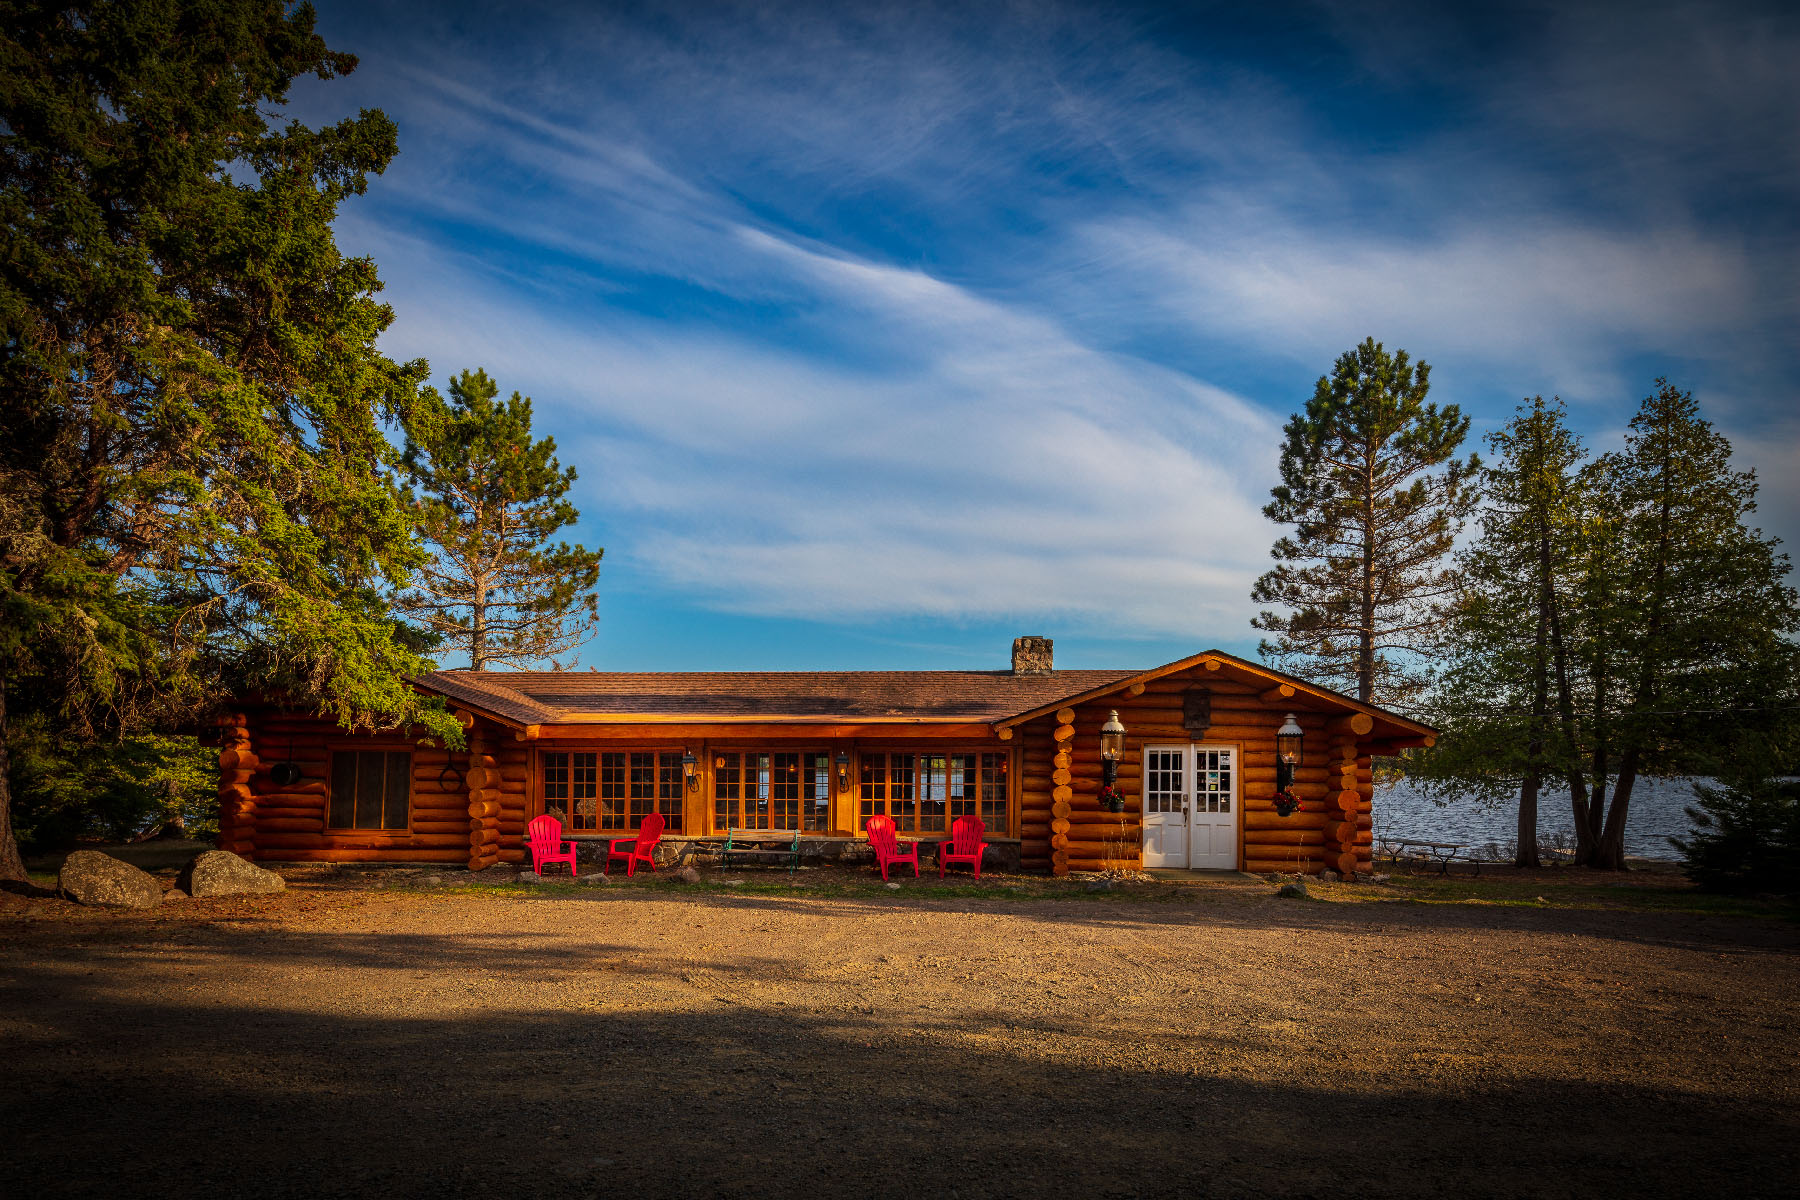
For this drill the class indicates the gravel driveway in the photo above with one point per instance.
(703, 1044)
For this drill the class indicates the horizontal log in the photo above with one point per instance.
(422, 826)
(266, 824)
(1064, 733)
(1285, 866)
(363, 856)
(1281, 837)
(268, 806)
(1356, 723)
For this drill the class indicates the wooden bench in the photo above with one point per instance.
(775, 846)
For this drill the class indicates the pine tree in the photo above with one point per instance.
(1372, 485)
(1505, 701)
(1692, 616)
(489, 500)
(193, 498)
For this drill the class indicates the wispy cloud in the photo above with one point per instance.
(855, 312)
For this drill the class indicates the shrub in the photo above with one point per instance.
(1746, 836)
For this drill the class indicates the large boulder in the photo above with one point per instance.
(222, 873)
(90, 877)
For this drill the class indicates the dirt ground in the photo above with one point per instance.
(1010, 1041)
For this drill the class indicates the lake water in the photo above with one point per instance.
(1657, 813)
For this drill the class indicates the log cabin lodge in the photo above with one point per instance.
(820, 752)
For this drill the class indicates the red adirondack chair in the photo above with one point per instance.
(544, 835)
(639, 851)
(887, 847)
(965, 845)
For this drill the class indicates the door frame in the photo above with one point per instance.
(1190, 781)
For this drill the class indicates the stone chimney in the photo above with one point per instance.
(1032, 656)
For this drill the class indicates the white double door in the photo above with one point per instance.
(1190, 806)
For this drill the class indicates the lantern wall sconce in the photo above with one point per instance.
(843, 770)
(690, 767)
(1112, 748)
(1290, 740)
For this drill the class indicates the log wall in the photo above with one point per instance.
(1064, 829)
(261, 819)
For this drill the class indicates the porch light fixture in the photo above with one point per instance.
(690, 767)
(1112, 748)
(843, 766)
(1289, 740)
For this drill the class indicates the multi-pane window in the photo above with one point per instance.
(572, 786)
(613, 790)
(772, 789)
(1164, 789)
(924, 793)
(370, 789)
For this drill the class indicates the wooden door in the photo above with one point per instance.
(1212, 825)
(1166, 791)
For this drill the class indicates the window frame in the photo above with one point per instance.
(988, 765)
(813, 765)
(667, 785)
(384, 747)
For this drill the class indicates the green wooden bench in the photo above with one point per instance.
(739, 846)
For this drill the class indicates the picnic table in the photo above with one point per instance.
(738, 846)
(1416, 852)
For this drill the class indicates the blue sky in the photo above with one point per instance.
(879, 335)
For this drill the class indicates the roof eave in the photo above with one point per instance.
(1222, 659)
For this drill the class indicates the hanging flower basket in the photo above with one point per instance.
(1112, 799)
(1286, 804)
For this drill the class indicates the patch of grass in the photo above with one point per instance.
(1629, 895)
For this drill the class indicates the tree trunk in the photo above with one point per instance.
(11, 865)
(1526, 855)
(1609, 847)
(478, 628)
(1565, 693)
(1365, 656)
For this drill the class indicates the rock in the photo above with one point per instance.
(90, 877)
(1379, 878)
(596, 879)
(893, 887)
(688, 875)
(1328, 876)
(431, 881)
(175, 894)
(1295, 891)
(222, 873)
(1101, 885)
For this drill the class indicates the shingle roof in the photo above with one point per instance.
(545, 697)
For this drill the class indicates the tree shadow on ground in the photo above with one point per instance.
(728, 1100)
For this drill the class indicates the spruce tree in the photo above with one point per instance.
(1506, 702)
(489, 498)
(1693, 618)
(193, 490)
(1371, 484)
